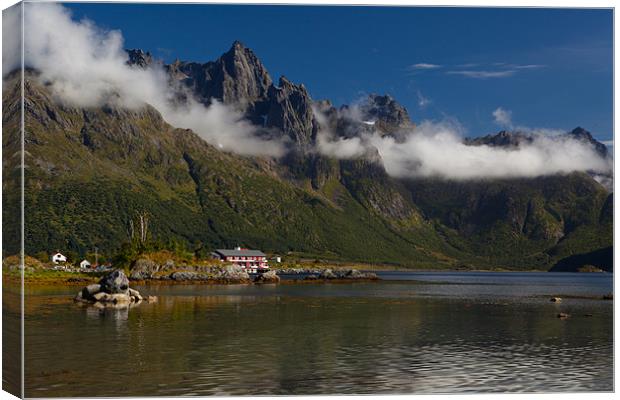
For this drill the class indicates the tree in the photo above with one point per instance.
(42, 256)
(138, 229)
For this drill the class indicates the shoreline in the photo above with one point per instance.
(80, 279)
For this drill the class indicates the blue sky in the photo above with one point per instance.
(550, 68)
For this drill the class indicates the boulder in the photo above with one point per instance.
(555, 299)
(353, 274)
(311, 277)
(143, 269)
(234, 273)
(119, 298)
(79, 297)
(101, 296)
(89, 291)
(115, 282)
(370, 275)
(112, 290)
(327, 274)
(267, 277)
(135, 295)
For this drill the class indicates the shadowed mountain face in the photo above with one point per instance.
(89, 170)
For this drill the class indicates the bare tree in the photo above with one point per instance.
(141, 220)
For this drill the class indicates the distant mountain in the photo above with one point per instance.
(517, 138)
(89, 170)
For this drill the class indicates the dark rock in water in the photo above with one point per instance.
(112, 291)
(115, 282)
(90, 290)
(311, 277)
(267, 277)
(135, 295)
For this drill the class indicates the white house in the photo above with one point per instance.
(58, 258)
(84, 264)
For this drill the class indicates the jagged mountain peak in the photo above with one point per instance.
(584, 135)
(389, 115)
(505, 138)
(579, 131)
(139, 57)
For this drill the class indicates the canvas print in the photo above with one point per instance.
(210, 200)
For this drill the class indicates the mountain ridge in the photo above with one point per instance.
(90, 169)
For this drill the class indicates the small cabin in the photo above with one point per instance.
(84, 264)
(58, 258)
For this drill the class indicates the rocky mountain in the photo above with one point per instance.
(90, 170)
(516, 138)
(238, 77)
(585, 136)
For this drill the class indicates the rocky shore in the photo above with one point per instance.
(149, 271)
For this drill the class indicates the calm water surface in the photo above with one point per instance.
(411, 333)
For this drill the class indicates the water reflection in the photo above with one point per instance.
(317, 339)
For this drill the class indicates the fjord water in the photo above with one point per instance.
(411, 333)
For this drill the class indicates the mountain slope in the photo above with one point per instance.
(90, 170)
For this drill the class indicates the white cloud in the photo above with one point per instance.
(438, 150)
(86, 66)
(503, 117)
(529, 66)
(483, 74)
(12, 34)
(423, 101)
(424, 66)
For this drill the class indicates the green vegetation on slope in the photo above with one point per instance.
(90, 171)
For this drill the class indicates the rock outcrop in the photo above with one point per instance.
(139, 58)
(386, 113)
(267, 277)
(143, 269)
(233, 274)
(290, 110)
(329, 274)
(237, 78)
(116, 282)
(112, 290)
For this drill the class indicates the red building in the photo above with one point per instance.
(251, 260)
